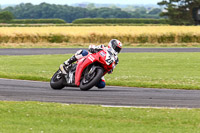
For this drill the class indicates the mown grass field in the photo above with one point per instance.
(155, 70)
(129, 35)
(37, 117)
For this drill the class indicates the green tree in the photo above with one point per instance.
(179, 12)
(155, 11)
(6, 16)
(129, 8)
(113, 6)
(70, 13)
(91, 6)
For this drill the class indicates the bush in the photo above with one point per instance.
(57, 38)
(119, 21)
(35, 21)
(6, 16)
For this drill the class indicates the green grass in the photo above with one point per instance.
(155, 70)
(37, 117)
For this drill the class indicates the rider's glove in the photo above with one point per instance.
(109, 72)
(116, 61)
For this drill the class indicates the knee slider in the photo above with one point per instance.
(84, 52)
(80, 53)
(101, 84)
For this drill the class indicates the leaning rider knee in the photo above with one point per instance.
(101, 84)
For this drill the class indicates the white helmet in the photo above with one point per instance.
(115, 45)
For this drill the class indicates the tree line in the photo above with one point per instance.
(70, 13)
(181, 12)
(177, 12)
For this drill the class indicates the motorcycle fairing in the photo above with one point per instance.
(87, 60)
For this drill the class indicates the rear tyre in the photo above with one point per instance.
(56, 82)
(98, 73)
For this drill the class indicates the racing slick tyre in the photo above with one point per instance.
(88, 83)
(56, 82)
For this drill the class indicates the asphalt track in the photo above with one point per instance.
(21, 90)
(43, 51)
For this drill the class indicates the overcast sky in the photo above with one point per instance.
(68, 2)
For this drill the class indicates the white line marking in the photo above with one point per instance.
(23, 80)
(113, 106)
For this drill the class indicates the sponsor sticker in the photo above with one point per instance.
(91, 58)
(102, 54)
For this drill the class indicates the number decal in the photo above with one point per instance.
(109, 60)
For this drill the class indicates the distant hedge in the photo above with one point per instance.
(34, 21)
(119, 21)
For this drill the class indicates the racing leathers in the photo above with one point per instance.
(110, 58)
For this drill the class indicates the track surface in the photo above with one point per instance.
(39, 51)
(19, 90)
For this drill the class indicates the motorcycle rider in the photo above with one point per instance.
(114, 48)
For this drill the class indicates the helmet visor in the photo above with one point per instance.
(116, 48)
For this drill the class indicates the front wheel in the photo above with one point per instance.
(56, 82)
(91, 80)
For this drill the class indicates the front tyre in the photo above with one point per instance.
(56, 82)
(87, 84)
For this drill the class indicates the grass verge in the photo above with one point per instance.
(25, 117)
(155, 70)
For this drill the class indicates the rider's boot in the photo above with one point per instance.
(67, 64)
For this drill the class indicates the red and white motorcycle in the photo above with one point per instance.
(86, 72)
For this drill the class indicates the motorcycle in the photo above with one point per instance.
(85, 73)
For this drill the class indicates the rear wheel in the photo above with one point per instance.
(56, 82)
(91, 79)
